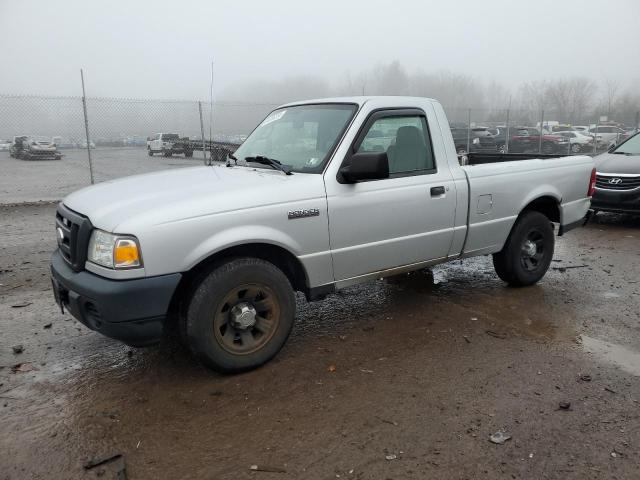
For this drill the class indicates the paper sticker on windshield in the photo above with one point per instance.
(275, 116)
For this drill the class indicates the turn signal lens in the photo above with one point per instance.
(126, 253)
(592, 184)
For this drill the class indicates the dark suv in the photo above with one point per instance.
(479, 140)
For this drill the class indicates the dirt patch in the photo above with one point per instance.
(416, 389)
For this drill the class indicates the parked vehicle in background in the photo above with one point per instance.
(618, 178)
(83, 144)
(500, 137)
(607, 135)
(528, 139)
(321, 196)
(578, 141)
(169, 144)
(5, 145)
(34, 147)
(581, 128)
(478, 139)
(17, 145)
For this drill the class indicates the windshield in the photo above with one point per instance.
(630, 147)
(170, 136)
(301, 137)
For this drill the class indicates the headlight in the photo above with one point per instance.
(114, 251)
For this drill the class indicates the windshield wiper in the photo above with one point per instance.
(272, 162)
(624, 153)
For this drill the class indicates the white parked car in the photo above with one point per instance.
(5, 145)
(607, 135)
(579, 141)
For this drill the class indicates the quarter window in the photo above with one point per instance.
(405, 140)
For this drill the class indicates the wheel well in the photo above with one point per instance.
(546, 205)
(280, 257)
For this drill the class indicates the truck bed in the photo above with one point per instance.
(484, 158)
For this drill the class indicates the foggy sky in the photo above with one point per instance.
(155, 49)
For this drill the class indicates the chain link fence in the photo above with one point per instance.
(35, 128)
(45, 155)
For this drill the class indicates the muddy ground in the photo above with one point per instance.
(400, 379)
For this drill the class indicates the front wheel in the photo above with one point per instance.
(149, 152)
(575, 148)
(240, 315)
(528, 251)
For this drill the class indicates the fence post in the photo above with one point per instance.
(506, 135)
(595, 140)
(468, 131)
(86, 126)
(204, 151)
(541, 127)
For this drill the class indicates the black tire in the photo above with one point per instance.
(188, 154)
(167, 153)
(149, 152)
(547, 148)
(208, 326)
(516, 263)
(575, 148)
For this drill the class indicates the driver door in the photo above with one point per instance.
(406, 219)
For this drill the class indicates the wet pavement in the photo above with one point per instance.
(404, 378)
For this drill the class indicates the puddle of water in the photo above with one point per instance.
(626, 359)
(611, 295)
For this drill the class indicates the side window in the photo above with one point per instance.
(406, 141)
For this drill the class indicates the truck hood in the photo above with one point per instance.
(614, 163)
(173, 195)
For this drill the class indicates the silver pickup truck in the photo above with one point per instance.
(322, 195)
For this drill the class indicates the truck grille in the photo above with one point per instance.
(72, 232)
(611, 182)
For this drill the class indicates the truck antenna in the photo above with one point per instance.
(211, 117)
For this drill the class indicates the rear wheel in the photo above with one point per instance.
(575, 148)
(166, 153)
(188, 154)
(528, 251)
(240, 315)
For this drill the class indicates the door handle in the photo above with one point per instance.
(437, 191)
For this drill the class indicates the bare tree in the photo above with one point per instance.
(611, 87)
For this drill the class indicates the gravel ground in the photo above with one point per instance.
(399, 379)
(30, 181)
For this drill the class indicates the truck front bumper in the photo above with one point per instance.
(132, 311)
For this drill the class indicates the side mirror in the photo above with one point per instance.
(365, 166)
(612, 148)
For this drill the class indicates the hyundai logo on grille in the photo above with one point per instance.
(615, 181)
